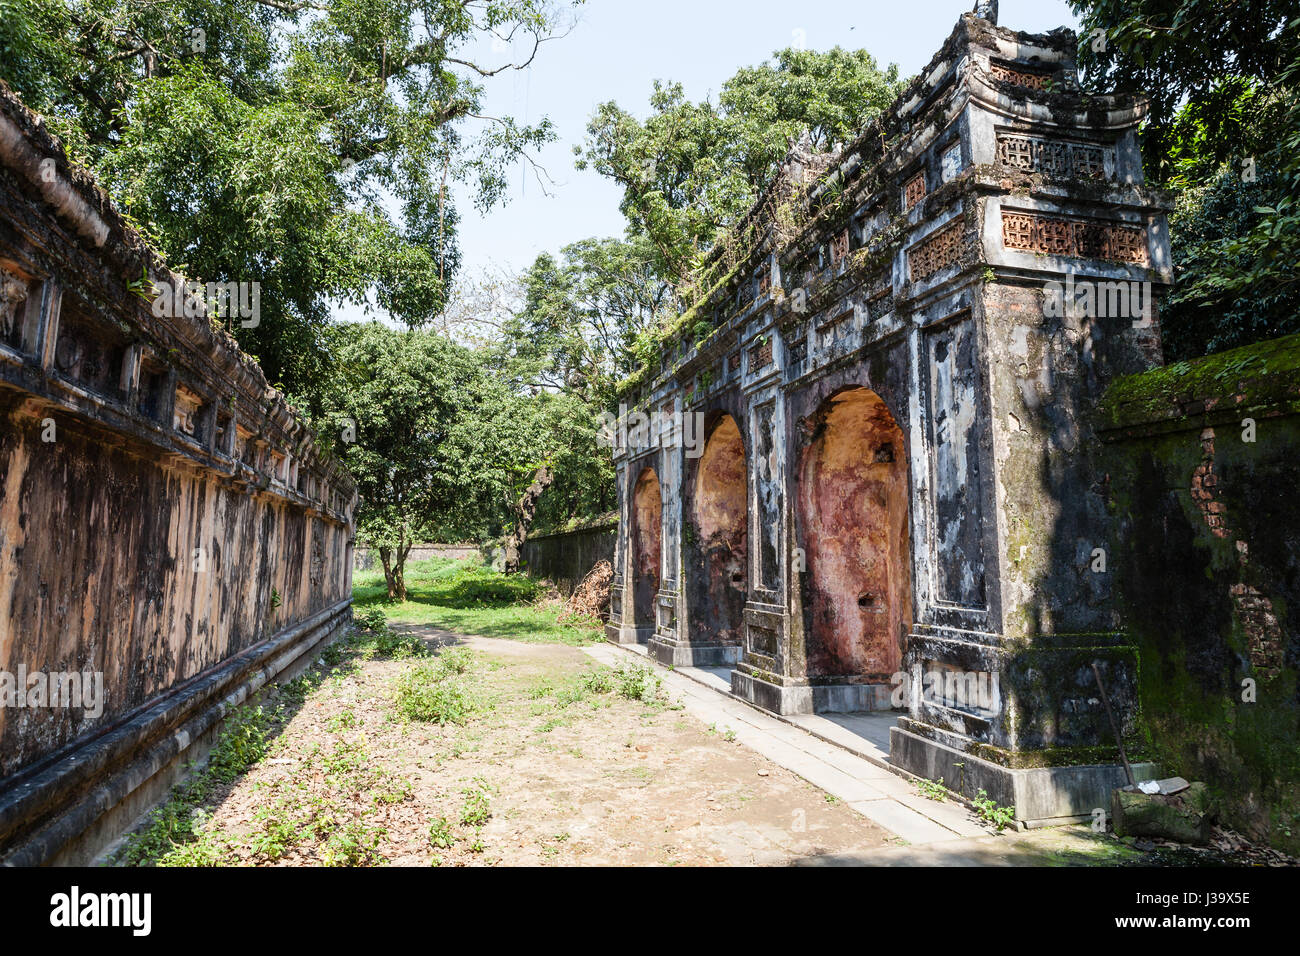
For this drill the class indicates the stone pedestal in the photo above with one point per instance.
(1041, 796)
(675, 652)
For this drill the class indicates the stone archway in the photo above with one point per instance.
(647, 532)
(853, 510)
(721, 512)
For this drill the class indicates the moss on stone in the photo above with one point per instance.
(1257, 375)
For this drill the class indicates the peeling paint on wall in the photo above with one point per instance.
(647, 553)
(721, 519)
(853, 496)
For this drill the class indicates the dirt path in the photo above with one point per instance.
(552, 766)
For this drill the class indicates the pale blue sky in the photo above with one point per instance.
(617, 50)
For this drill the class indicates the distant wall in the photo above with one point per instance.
(566, 558)
(1207, 564)
(367, 559)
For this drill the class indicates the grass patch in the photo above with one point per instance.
(176, 834)
(469, 597)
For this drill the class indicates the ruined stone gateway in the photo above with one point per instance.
(897, 497)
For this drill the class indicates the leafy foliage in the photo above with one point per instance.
(691, 169)
(433, 435)
(1224, 134)
(260, 140)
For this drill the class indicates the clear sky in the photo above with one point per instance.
(619, 47)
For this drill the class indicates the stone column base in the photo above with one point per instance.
(674, 653)
(804, 698)
(1042, 796)
(627, 634)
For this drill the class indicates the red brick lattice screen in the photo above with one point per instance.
(1082, 238)
(1032, 81)
(934, 253)
(760, 356)
(914, 191)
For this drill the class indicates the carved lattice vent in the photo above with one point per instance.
(1019, 77)
(1051, 157)
(913, 191)
(936, 252)
(1082, 238)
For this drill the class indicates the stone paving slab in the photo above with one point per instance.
(903, 821)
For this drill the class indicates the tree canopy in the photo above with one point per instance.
(1223, 79)
(691, 169)
(264, 140)
(431, 436)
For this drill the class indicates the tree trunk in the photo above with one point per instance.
(525, 509)
(395, 571)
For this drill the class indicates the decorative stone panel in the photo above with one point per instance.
(1081, 238)
(914, 191)
(935, 252)
(1019, 77)
(1052, 157)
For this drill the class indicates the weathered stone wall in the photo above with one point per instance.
(568, 557)
(1204, 464)
(165, 519)
(921, 463)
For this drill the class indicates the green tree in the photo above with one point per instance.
(690, 169)
(581, 316)
(428, 432)
(569, 342)
(261, 140)
(1223, 80)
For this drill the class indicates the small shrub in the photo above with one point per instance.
(376, 638)
(598, 681)
(477, 809)
(455, 660)
(427, 694)
(370, 619)
(637, 682)
(440, 837)
(352, 843)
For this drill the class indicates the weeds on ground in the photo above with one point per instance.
(637, 682)
(988, 811)
(435, 692)
(440, 837)
(477, 809)
(375, 638)
(932, 789)
(176, 834)
(181, 832)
